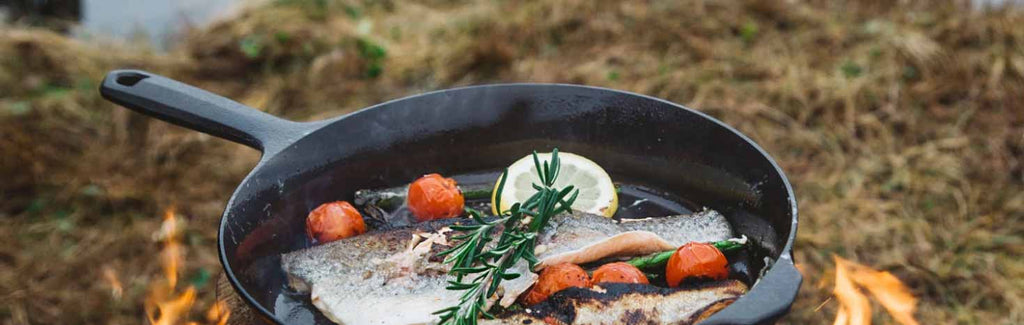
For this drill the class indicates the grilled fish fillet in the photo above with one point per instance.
(581, 238)
(395, 277)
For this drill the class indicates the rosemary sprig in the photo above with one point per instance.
(485, 269)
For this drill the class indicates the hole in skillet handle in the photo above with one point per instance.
(130, 78)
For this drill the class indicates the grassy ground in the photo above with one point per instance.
(901, 126)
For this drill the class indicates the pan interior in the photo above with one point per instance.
(692, 160)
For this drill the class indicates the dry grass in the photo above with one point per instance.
(901, 126)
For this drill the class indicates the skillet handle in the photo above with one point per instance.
(767, 301)
(200, 110)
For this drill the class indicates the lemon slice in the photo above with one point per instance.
(597, 193)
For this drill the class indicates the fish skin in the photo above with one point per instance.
(352, 257)
(363, 301)
(357, 280)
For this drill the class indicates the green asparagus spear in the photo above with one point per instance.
(659, 259)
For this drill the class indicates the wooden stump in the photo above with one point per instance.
(241, 313)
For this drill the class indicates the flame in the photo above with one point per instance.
(171, 310)
(854, 308)
(171, 256)
(164, 306)
(218, 313)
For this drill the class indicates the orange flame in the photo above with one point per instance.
(164, 306)
(171, 256)
(854, 308)
(170, 311)
(218, 313)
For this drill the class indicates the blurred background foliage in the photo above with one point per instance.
(901, 125)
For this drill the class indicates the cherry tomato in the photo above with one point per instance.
(434, 197)
(696, 260)
(619, 272)
(556, 278)
(333, 221)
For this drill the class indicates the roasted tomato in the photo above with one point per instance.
(434, 197)
(556, 278)
(619, 272)
(696, 260)
(333, 221)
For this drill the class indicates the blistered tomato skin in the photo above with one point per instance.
(619, 272)
(556, 278)
(333, 221)
(434, 197)
(696, 260)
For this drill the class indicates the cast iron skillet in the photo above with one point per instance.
(648, 140)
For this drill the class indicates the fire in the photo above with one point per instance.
(218, 313)
(171, 256)
(854, 308)
(164, 306)
(169, 310)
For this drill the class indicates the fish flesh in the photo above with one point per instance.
(394, 276)
(364, 279)
(621, 303)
